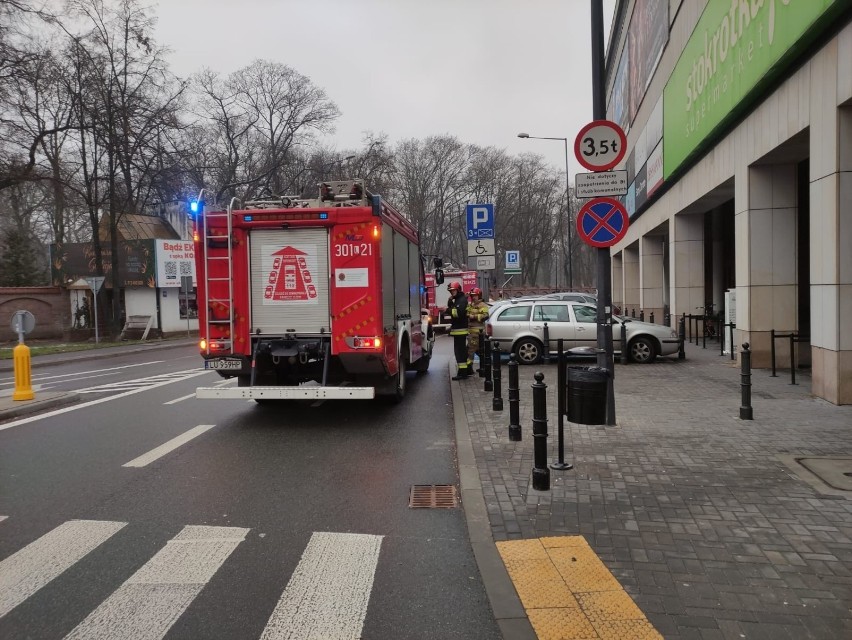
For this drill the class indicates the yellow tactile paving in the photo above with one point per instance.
(561, 624)
(621, 629)
(569, 594)
(522, 549)
(557, 542)
(539, 584)
(609, 605)
(582, 570)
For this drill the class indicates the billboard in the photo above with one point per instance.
(734, 49)
(175, 259)
(646, 39)
(72, 261)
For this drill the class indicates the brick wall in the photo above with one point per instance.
(49, 305)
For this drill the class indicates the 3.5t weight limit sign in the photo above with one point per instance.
(600, 145)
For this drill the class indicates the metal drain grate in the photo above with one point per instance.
(433, 496)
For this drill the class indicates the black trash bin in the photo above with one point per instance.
(585, 395)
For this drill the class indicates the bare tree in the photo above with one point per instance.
(256, 118)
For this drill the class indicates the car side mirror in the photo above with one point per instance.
(439, 275)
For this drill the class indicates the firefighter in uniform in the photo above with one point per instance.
(457, 308)
(477, 313)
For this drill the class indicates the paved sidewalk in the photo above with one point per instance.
(698, 514)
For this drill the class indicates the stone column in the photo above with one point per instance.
(651, 267)
(831, 250)
(631, 279)
(765, 224)
(687, 265)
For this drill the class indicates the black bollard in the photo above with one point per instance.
(540, 472)
(515, 434)
(731, 328)
(561, 392)
(720, 333)
(480, 351)
(546, 337)
(624, 343)
(792, 358)
(745, 376)
(641, 315)
(667, 319)
(496, 375)
(651, 318)
(486, 352)
(772, 351)
(633, 312)
(681, 338)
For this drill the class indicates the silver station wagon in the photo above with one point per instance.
(520, 323)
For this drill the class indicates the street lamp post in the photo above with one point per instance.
(568, 206)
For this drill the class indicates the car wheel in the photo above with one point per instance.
(528, 351)
(642, 350)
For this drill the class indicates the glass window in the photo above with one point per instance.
(585, 314)
(513, 313)
(551, 313)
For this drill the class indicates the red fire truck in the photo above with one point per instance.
(437, 296)
(302, 299)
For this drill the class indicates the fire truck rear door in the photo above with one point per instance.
(289, 281)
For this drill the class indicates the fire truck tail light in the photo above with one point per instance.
(376, 232)
(358, 342)
(202, 344)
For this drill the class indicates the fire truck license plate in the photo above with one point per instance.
(223, 363)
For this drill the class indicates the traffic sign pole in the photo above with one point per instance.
(604, 266)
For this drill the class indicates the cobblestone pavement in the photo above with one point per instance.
(697, 513)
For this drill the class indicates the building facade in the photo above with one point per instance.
(739, 122)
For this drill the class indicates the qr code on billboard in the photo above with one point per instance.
(186, 268)
(170, 268)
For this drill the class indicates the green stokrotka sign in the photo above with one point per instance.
(735, 45)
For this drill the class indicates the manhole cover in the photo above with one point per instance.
(835, 472)
(433, 496)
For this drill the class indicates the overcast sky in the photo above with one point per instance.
(480, 70)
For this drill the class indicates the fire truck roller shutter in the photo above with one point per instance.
(289, 281)
(402, 306)
(388, 306)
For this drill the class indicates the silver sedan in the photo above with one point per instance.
(521, 324)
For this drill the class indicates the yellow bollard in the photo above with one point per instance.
(23, 373)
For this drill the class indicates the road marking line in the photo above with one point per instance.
(181, 399)
(168, 447)
(31, 568)
(192, 395)
(328, 593)
(2, 518)
(152, 599)
(78, 373)
(82, 405)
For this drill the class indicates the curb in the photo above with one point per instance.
(508, 611)
(38, 405)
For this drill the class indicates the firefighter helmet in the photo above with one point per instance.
(454, 285)
(476, 291)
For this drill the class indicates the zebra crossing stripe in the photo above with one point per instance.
(148, 604)
(31, 568)
(168, 447)
(328, 593)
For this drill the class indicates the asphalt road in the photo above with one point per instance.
(142, 512)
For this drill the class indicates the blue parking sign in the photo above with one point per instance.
(513, 259)
(480, 221)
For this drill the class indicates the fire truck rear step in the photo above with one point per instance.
(303, 392)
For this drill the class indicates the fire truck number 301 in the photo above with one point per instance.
(353, 249)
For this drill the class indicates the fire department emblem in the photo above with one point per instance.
(289, 276)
